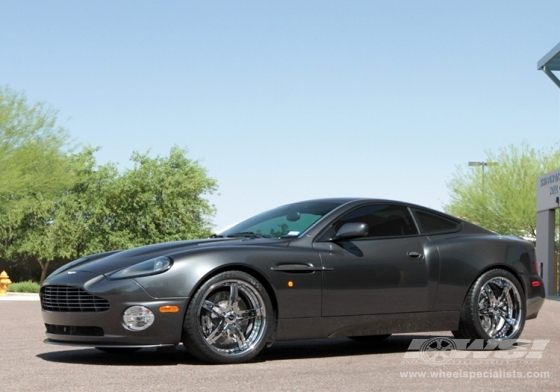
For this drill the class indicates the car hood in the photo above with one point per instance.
(107, 263)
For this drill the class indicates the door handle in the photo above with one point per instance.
(414, 255)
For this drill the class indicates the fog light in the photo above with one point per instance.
(138, 318)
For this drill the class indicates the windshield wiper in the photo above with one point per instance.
(248, 234)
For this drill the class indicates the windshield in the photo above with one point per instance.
(286, 221)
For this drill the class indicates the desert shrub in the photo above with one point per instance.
(24, 287)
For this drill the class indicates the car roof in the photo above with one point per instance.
(344, 200)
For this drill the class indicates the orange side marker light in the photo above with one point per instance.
(169, 309)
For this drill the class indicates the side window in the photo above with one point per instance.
(383, 220)
(431, 223)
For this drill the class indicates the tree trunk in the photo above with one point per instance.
(44, 270)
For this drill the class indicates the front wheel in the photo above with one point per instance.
(229, 319)
(494, 308)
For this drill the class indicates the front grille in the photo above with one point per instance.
(61, 298)
(73, 330)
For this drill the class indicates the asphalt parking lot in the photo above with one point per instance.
(27, 364)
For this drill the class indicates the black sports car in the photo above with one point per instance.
(348, 267)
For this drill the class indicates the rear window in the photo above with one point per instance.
(431, 223)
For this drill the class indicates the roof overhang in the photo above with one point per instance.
(551, 62)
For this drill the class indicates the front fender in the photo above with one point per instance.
(190, 269)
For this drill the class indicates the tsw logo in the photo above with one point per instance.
(440, 350)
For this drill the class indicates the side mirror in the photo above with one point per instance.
(351, 230)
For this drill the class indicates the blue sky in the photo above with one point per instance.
(284, 101)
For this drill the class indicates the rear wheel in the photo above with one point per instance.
(494, 308)
(229, 319)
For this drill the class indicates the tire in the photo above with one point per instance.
(229, 319)
(370, 338)
(494, 308)
(118, 350)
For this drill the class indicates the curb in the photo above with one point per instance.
(19, 297)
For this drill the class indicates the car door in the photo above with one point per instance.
(391, 270)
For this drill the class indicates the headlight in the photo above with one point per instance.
(149, 267)
(137, 318)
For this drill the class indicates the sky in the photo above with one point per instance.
(292, 100)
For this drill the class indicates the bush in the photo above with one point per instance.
(24, 287)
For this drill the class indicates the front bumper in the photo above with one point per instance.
(105, 328)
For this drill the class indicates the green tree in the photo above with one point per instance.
(162, 199)
(83, 214)
(32, 148)
(45, 226)
(55, 205)
(28, 231)
(501, 196)
(159, 199)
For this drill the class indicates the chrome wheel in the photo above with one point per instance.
(232, 317)
(229, 320)
(499, 308)
(494, 308)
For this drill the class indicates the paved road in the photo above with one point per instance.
(26, 364)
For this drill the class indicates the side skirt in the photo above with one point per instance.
(334, 327)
